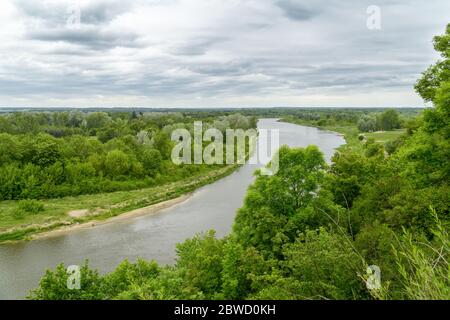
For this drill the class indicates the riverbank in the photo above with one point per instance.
(57, 215)
(153, 209)
(351, 133)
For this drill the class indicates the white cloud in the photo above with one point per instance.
(230, 53)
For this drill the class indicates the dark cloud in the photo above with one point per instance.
(198, 46)
(298, 10)
(93, 38)
(101, 12)
(55, 13)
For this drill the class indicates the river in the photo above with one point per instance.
(149, 237)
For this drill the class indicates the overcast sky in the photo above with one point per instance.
(215, 53)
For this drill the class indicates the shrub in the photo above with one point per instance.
(31, 206)
(117, 163)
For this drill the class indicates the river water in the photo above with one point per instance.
(149, 237)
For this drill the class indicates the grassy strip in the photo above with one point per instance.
(349, 132)
(100, 206)
(386, 136)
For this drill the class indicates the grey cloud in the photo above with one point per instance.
(246, 52)
(56, 14)
(94, 38)
(101, 12)
(197, 46)
(93, 33)
(52, 15)
(298, 10)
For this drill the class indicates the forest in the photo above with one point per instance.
(308, 232)
(51, 155)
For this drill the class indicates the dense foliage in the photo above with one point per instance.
(51, 155)
(311, 230)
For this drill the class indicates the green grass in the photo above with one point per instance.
(17, 225)
(385, 136)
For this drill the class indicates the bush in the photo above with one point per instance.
(117, 163)
(31, 206)
(151, 160)
(392, 146)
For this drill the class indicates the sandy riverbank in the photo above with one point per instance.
(153, 209)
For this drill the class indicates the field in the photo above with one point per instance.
(385, 136)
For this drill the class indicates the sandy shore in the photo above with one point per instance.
(153, 209)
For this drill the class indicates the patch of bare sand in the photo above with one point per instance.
(78, 213)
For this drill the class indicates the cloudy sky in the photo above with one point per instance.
(215, 53)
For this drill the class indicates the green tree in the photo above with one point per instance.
(439, 73)
(122, 282)
(273, 204)
(10, 149)
(318, 265)
(425, 156)
(367, 124)
(97, 120)
(53, 286)
(117, 163)
(151, 160)
(389, 120)
(200, 263)
(45, 150)
(162, 142)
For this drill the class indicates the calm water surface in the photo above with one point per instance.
(150, 237)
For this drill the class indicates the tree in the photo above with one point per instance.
(200, 263)
(367, 124)
(425, 155)
(299, 176)
(326, 266)
(151, 160)
(107, 134)
(389, 120)
(44, 150)
(439, 73)
(121, 283)
(239, 266)
(117, 163)
(162, 142)
(97, 120)
(10, 149)
(349, 172)
(269, 217)
(53, 286)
